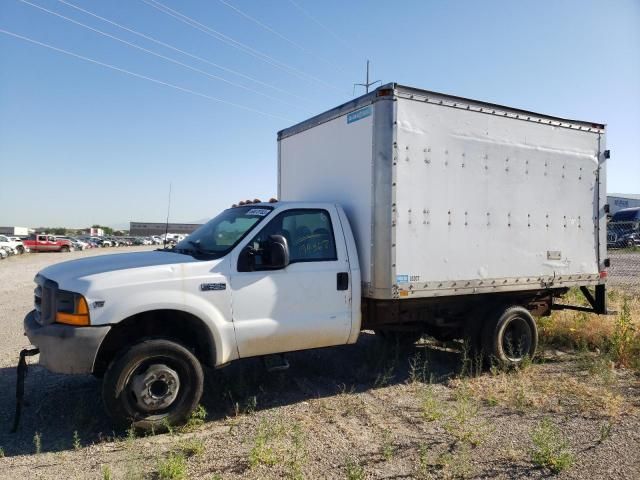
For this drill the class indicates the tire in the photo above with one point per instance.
(64, 249)
(163, 371)
(510, 335)
(20, 249)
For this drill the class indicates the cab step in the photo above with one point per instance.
(275, 363)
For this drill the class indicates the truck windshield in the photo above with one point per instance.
(219, 235)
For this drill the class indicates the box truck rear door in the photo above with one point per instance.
(307, 304)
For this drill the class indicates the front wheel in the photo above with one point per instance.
(64, 249)
(510, 335)
(154, 384)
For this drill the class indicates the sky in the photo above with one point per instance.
(82, 143)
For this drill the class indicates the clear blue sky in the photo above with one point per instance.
(83, 144)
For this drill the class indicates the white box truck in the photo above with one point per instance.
(403, 211)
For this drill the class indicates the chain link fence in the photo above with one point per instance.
(623, 244)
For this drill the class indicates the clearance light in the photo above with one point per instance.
(603, 274)
(73, 311)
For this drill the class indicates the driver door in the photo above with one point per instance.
(305, 305)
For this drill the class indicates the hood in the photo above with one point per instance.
(84, 267)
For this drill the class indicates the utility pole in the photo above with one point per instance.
(367, 83)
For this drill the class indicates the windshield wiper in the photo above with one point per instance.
(201, 250)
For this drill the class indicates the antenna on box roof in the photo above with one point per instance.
(166, 228)
(367, 83)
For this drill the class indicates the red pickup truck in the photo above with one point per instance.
(47, 243)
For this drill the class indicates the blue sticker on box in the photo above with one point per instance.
(402, 279)
(359, 114)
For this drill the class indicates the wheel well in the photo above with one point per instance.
(183, 327)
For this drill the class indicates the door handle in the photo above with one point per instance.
(343, 281)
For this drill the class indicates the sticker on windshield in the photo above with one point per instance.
(262, 212)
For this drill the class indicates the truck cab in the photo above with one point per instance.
(258, 279)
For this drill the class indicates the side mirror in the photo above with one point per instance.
(273, 255)
(278, 252)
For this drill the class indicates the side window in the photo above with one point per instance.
(309, 234)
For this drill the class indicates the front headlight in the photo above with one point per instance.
(72, 309)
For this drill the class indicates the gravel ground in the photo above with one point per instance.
(362, 411)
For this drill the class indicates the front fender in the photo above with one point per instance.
(217, 318)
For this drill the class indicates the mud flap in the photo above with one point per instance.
(21, 374)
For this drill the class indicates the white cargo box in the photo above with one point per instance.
(451, 196)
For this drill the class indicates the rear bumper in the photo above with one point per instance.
(65, 348)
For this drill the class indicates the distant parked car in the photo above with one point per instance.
(77, 244)
(105, 242)
(17, 246)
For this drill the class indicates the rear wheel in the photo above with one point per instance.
(64, 249)
(510, 335)
(154, 384)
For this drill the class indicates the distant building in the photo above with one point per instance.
(618, 201)
(17, 231)
(146, 229)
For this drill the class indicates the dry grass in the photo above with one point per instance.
(542, 389)
(616, 336)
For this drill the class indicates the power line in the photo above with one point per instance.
(175, 49)
(235, 43)
(275, 32)
(138, 75)
(150, 52)
(323, 26)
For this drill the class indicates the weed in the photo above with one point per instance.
(419, 369)
(1, 452)
(423, 461)
(354, 469)
(430, 405)
(472, 362)
(385, 376)
(77, 444)
(463, 423)
(192, 447)
(37, 442)
(262, 452)
(388, 449)
(106, 473)
(456, 465)
(550, 448)
(625, 341)
(605, 431)
(174, 467)
(297, 454)
(599, 366)
(131, 434)
(196, 419)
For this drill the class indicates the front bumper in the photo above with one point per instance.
(65, 348)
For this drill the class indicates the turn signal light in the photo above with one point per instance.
(80, 315)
